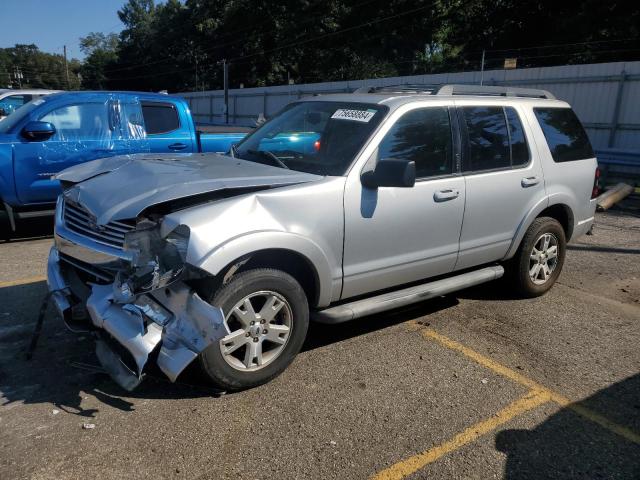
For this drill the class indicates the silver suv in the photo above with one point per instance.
(339, 207)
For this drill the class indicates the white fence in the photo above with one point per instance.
(606, 96)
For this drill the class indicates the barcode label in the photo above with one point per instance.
(355, 115)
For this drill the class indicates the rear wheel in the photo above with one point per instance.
(539, 260)
(267, 316)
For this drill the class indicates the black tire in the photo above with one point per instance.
(241, 285)
(518, 268)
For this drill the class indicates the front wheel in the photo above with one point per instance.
(539, 260)
(267, 316)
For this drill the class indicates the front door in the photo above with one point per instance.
(84, 131)
(395, 236)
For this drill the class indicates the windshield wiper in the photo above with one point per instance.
(269, 156)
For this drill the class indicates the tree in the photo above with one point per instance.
(102, 52)
(27, 67)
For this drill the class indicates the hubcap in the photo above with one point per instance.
(543, 259)
(259, 327)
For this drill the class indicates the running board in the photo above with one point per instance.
(407, 296)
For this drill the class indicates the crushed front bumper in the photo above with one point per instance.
(174, 321)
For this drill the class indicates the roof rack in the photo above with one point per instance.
(453, 89)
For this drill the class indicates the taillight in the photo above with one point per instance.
(316, 145)
(596, 184)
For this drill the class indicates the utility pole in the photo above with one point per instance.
(18, 76)
(196, 57)
(482, 69)
(225, 74)
(66, 67)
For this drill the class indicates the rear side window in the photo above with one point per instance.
(160, 118)
(519, 147)
(487, 139)
(424, 136)
(495, 139)
(565, 135)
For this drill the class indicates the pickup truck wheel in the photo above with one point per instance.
(267, 316)
(540, 258)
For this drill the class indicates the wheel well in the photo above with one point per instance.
(563, 214)
(293, 263)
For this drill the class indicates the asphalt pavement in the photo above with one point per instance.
(471, 385)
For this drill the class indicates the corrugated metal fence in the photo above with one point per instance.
(606, 96)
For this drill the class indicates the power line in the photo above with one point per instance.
(221, 45)
(293, 44)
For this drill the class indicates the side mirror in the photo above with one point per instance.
(38, 131)
(390, 172)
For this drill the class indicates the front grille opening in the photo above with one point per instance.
(80, 221)
(86, 272)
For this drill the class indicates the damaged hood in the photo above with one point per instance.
(119, 188)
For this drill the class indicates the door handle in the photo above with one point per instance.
(444, 195)
(530, 181)
(177, 146)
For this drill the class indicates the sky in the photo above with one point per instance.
(50, 24)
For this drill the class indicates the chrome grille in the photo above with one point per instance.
(80, 221)
(102, 276)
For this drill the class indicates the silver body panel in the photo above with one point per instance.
(357, 240)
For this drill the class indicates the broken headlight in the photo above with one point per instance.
(156, 261)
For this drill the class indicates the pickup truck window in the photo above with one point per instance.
(320, 137)
(7, 124)
(13, 102)
(160, 117)
(84, 121)
(424, 136)
(564, 133)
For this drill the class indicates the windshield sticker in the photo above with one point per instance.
(355, 115)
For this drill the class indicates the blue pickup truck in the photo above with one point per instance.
(58, 131)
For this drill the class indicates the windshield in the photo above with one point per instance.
(7, 124)
(314, 137)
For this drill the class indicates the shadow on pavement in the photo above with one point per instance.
(569, 446)
(27, 229)
(595, 248)
(64, 367)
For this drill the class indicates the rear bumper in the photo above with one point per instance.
(174, 321)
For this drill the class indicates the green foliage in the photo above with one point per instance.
(179, 45)
(27, 67)
(102, 54)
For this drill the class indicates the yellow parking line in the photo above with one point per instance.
(533, 399)
(24, 281)
(527, 382)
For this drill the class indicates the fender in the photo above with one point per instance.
(560, 198)
(524, 225)
(329, 274)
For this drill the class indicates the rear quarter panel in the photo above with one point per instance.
(568, 183)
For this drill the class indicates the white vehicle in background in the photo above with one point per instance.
(11, 100)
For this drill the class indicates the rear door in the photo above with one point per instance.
(168, 127)
(503, 180)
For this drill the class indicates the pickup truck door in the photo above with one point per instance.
(168, 128)
(395, 236)
(504, 180)
(84, 131)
